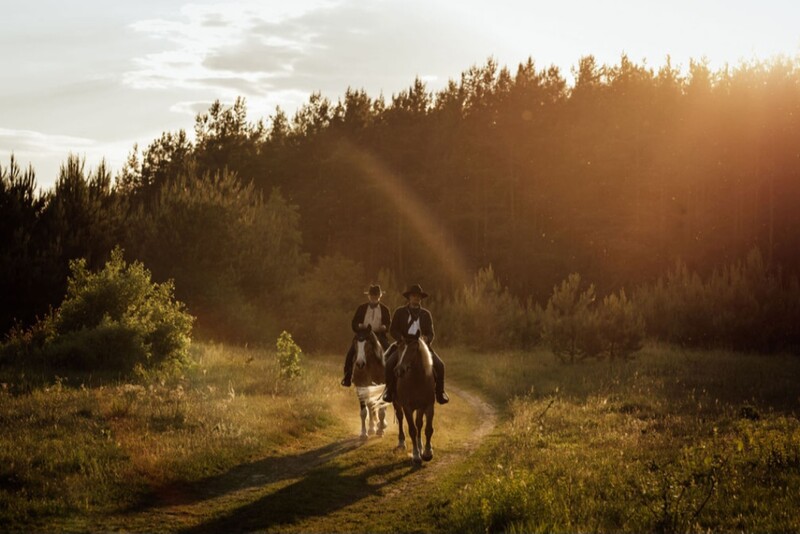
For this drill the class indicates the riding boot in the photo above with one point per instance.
(348, 367)
(391, 379)
(438, 377)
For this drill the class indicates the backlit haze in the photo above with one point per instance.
(93, 78)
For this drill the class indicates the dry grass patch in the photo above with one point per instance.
(70, 451)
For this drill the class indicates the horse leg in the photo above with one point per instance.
(401, 436)
(413, 433)
(427, 455)
(363, 420)
(372, 418)
(381, 420)
(418, 424)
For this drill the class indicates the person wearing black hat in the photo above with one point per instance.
(372, 314)
(412, 319)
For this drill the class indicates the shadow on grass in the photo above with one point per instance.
(320, 492)
(259, 473)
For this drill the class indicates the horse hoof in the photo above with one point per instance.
(427, 456)
(371, 432)
(416, 461)
(363, 435)
(380, 433)
(384, 425)
(401, 446)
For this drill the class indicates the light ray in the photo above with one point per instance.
(415, 212)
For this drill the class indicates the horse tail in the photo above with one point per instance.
(378, 351)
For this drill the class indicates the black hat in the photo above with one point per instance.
(374, 290)
(415, 289)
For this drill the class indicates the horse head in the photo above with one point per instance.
(364, 341)
(413, 348)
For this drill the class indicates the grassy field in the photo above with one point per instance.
(675, 441)
(76, 449)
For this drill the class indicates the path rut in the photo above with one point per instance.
(335, 483)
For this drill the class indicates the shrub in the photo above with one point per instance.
(621, 326)
(747, 305)
(569, 327)
(576, 328)
(288, 356)
(115, 319)
(484, 315)
(24, 345)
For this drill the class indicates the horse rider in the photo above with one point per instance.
(410, 320)
(372, 313)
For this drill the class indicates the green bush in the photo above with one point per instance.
(108, 345)
(622, 326)
(288, 356)
(748, 305)
(575, 327)
(115, 319)
(568, 325)
(484, 315)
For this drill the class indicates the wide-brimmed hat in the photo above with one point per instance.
(374, 290)
(416, 289)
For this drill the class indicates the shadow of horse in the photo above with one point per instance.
(254, 474)
(322, 491)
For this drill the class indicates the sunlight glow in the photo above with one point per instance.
(164, 62)
(414, 213)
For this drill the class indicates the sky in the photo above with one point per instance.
(94, 77)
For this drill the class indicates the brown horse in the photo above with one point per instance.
(415, 396)
(369, 378)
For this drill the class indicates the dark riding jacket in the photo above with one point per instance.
(401, 320)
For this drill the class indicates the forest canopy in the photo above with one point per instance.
(615, 176)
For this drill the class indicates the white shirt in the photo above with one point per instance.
(373, 317)
(413, 326)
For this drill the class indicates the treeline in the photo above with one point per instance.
(614, 177)
(747, 305)
(286, 221)
(230, 249)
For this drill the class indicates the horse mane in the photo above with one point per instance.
(426, 356)
(424, 353)
(377, 347)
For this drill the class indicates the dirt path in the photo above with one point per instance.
(397, 494)
(335, 483)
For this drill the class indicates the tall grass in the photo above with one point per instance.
(70, 449)
(676, 441)
(673, 441)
